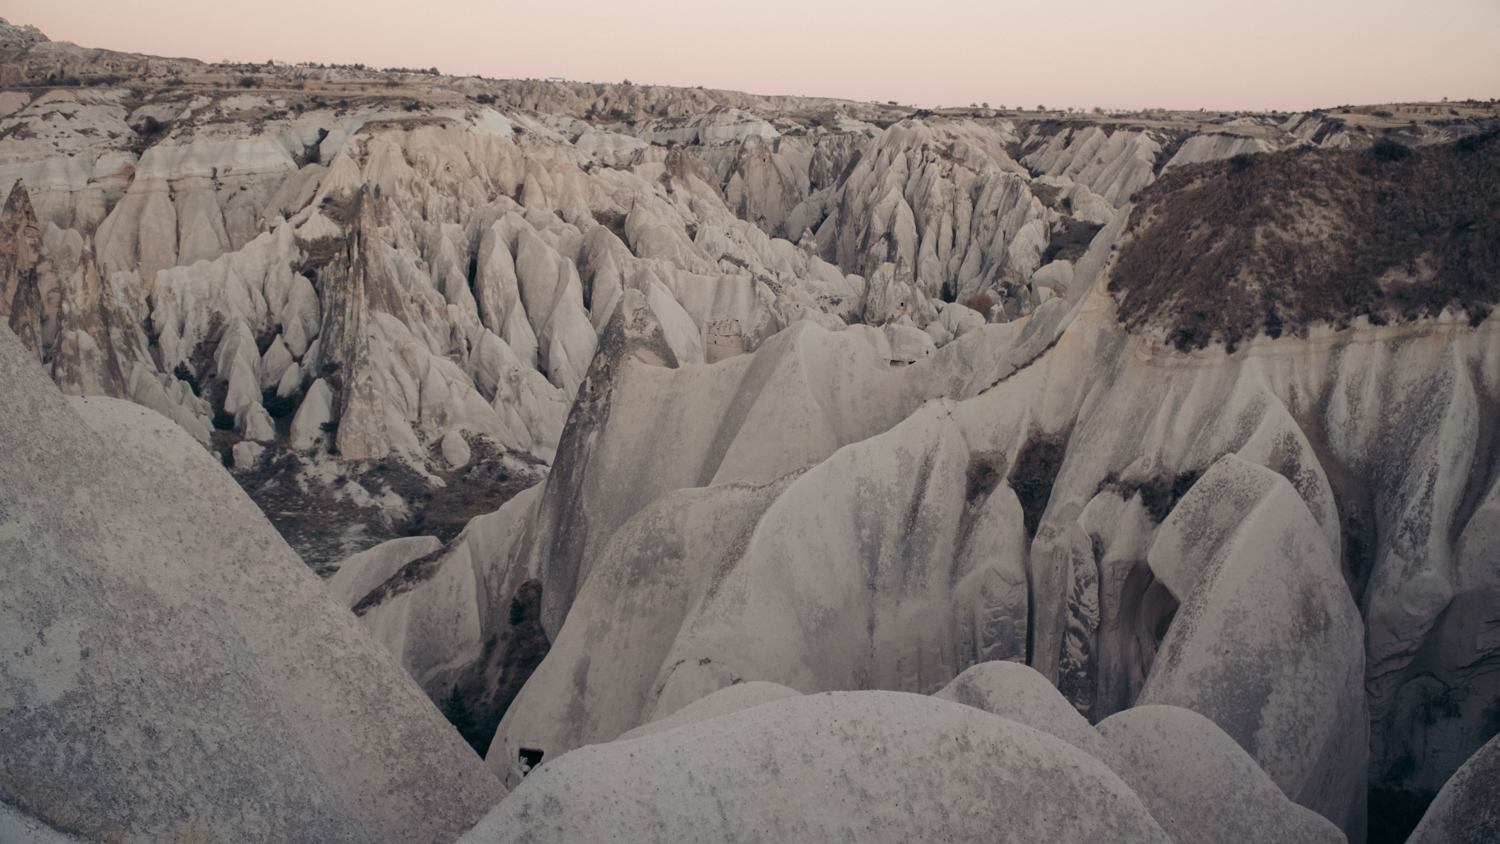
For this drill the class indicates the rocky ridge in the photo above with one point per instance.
(830, 395)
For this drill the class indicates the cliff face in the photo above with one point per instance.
(831, 394)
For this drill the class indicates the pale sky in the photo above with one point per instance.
(1181, 54)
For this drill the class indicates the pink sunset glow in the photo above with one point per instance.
(1177, 54)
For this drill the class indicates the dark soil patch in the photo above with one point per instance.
(1032, 477)
(317, 522)
(614, 221)
(478, 488)
(1159, 493)
(1274, 243)
(1071, 241)
(314, 523)
(984, 474)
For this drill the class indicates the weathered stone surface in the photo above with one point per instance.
(462, 619)
(313, 414)
(246, 455)
(1015, 691)
(723, 702)
(876, 766)
(628, 615)
(1201, 786)
(1268, 646)
(1206, 518)
(145, 599)
(448, 271)
(991, 604)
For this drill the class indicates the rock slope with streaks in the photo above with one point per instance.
(613, 403)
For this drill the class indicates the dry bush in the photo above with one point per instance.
(1221, 252)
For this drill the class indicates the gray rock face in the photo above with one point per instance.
(1465, 811)
(1201, 786)
(726, 701)
(17, 828)
(1268, 646)
(1015, 691)
(1206, 518)
(871, 766)
(450, 276)
(202, 682)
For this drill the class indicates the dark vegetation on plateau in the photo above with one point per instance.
(1274, 243)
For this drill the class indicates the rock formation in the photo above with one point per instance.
(172, 669)
(615, 406)
(881, 766)
(1202, 786)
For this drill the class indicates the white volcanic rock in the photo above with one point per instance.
(498, 293)
(666, 555)
(1056, 276)
(274, 363)
(455, 450)
(228, 203)
(300, 316)
(1465, 811)
(531, 409)
(755, 418)
(705, 423)
(382, 247)
(961, 320)
(677, 327)
(254, 424)
(877, 766)
(1268, 646)
(1206, 518)
(908, 343)
(608, 145)
(844, 582)
(1200, 148)
(553, 297)
(1113, 165)
(1201, 786)
(237, 723)
(1017, 692)
(290, 381)
(990, 594)
(1089, 206)
(362, 572)
(315, 411)
(246, 455)
(723, 702)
